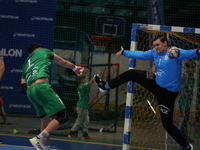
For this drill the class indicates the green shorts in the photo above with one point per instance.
(44, 99)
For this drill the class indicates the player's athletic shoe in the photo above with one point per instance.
(190, 148)
(37, 143)
(100, 84)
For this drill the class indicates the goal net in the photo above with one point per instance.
(103, 107)
(146, 129)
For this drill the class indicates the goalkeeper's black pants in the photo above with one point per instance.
(165, 99)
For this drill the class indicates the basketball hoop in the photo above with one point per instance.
(100, 43)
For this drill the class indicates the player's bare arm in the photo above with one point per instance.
(66, 64)
(120, 52)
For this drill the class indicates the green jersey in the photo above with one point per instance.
(84, 98)
(37, 65)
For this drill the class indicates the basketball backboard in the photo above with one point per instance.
(110, 26)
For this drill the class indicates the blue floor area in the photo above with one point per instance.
(11, 147)
(22, 143)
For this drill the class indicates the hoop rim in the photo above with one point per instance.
(100, 37)
(95, 38)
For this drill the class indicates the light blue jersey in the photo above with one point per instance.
(168, 71)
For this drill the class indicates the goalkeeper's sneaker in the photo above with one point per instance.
(37, 143)
(100, 84)
(190, 147)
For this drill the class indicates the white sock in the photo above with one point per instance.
(47, 147)
(44, 134)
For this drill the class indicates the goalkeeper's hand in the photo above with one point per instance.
(120, 52)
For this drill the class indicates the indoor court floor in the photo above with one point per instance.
(22, 143)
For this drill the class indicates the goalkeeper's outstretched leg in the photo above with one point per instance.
(163, 96)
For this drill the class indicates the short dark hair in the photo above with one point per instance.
(33, 46)
(163, 38)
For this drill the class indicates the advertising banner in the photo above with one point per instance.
(23, 22)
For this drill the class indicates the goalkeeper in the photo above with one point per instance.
(165, 85)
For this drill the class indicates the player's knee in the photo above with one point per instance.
(62, 116)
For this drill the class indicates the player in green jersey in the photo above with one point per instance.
(35, 83)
